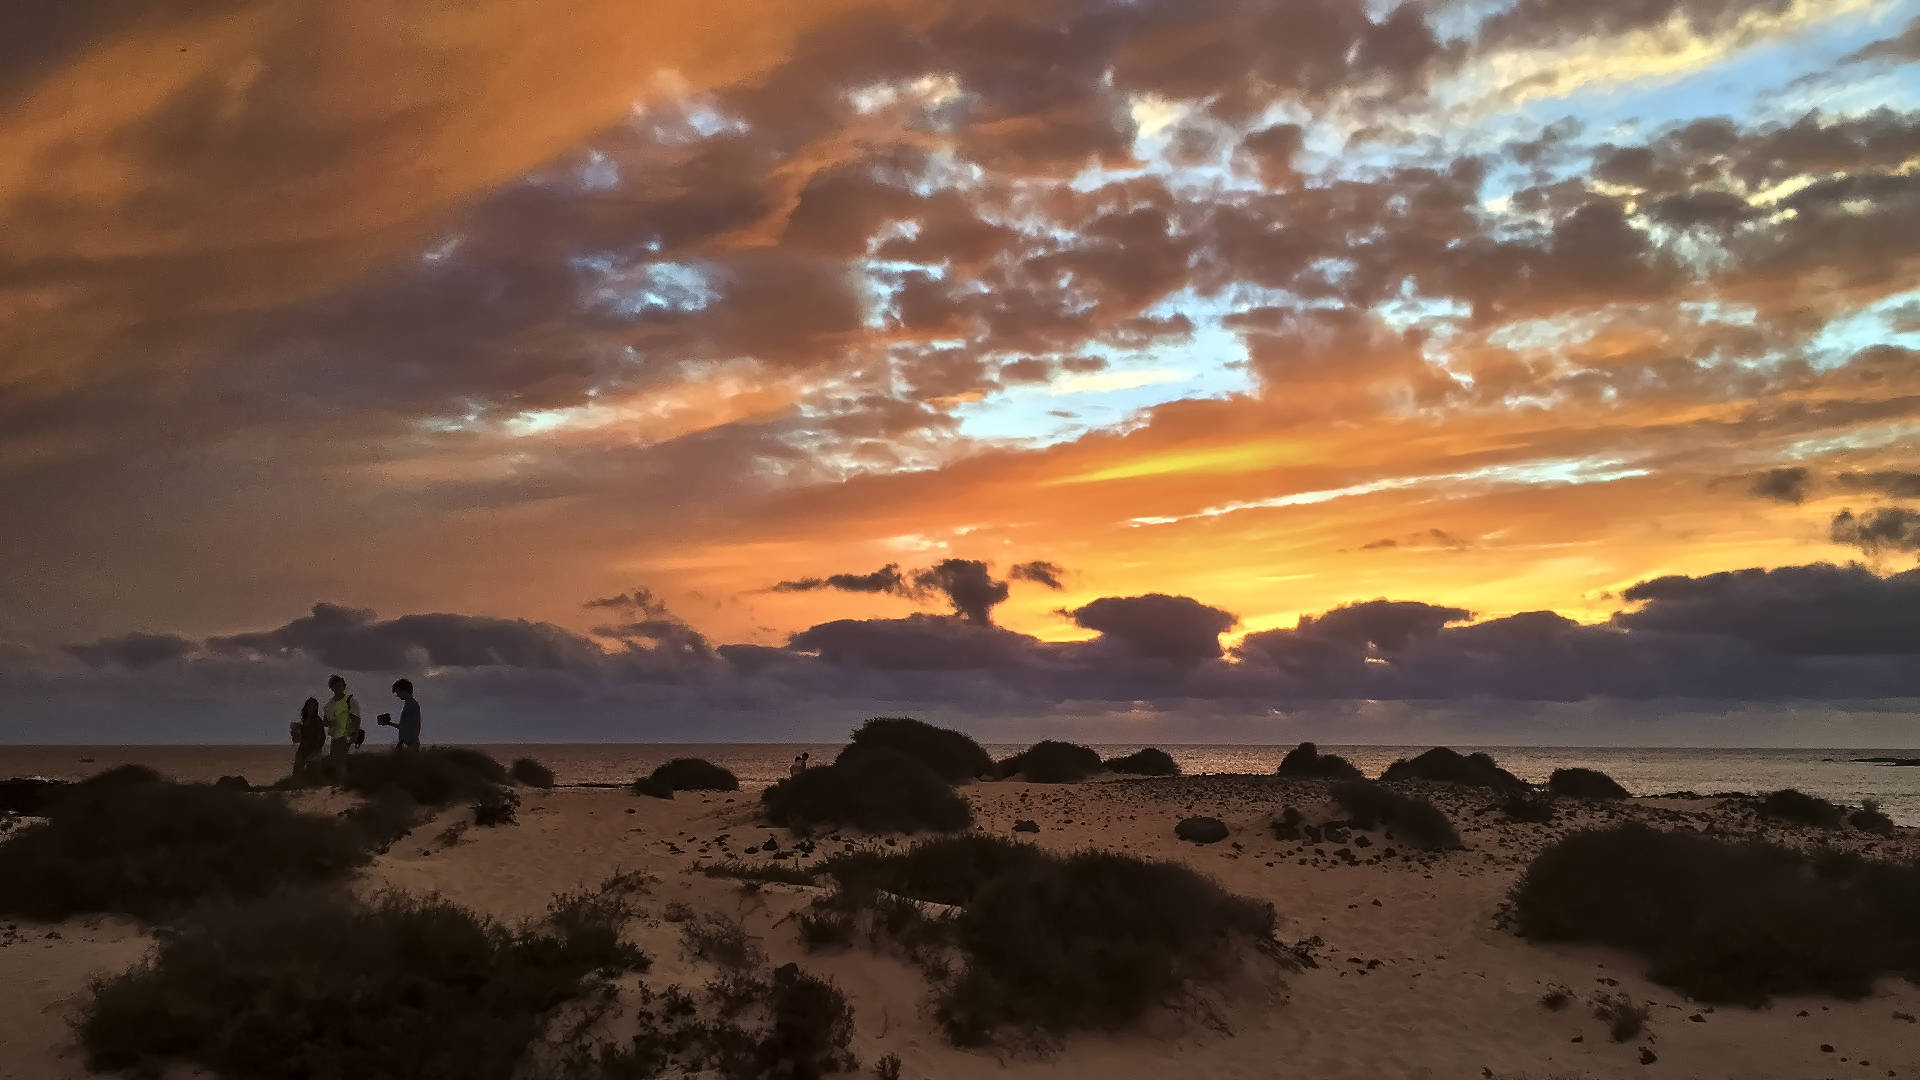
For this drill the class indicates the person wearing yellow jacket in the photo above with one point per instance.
(342, 714)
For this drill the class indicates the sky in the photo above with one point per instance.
(1544, 371)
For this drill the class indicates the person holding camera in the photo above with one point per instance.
(409, 724)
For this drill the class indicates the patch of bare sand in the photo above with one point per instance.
(1415, 976)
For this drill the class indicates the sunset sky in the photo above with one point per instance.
(734, 368)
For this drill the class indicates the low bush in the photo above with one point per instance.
(497, 808)
(1584, 784)
(879, 790)
(652, 788)
(826, 929)
(744, 871)
(949, 870)
(120, 776)
(1089, 941)
(952, 755)
(152, 848)
(1623, 1016)
(809, 1029)
(1148, 762)
(440, 776)
(1869, 819)
(531, 773)
(694, 774)
(719, 940)
(319, 986)
(1722, 921)
(1527, 806)
(1306, 760)
(1052, 762)
(1450, 767)
(1800, 808)
(1414, 820)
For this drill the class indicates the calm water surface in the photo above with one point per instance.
(1830, 774)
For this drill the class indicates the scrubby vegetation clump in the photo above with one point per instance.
(1306, 760)
(1798, 807)
(150, 848)
(1451, 767)
(1412, 819)
(952, 755)
(438, 776)
(1722, 921)
(1089, 940)
(531, 773)
(1869, 819)
(1151, 761)
(1052, 762)
(881, 790)
(322, 986)
(1579, 783)
(695, 774)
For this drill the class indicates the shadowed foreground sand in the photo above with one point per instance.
(1414, 976)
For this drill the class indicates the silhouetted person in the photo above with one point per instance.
(799, 765)
(343, 724)
(409, 724)
(309, 739)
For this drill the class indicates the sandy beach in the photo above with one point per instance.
(1412, 973)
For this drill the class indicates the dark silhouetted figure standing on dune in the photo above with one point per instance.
(409, 724)
(309, 738)
(799, 764)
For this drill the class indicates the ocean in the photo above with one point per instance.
(1828, 773)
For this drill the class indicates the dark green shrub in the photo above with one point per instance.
(439, 776)
(118, 777)
(810, 1028)
(1306, 760)
(952, 755)
(879, 790)
(497, 808)
(531, 773)
(1584, 784)
(1148, 762)
(474, 761)
(1052, 762)
(1089, 941)
(719, 940)
(948, 870)
(1527, 806)
(1724, 921)
(780, 872)
(695, 774)
(1414, 820)
(1449, 767)
(1623, 1016)
(318, 986)
(1869, 819)
(651, 787)
(826, 929)
(1801, 809)
(153, 848)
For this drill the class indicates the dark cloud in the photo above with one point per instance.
(1877, 532)
(1040, 572)
(1901, 48)
(1157, 626)
(1788, 485)
(1812, 611)
(887, 579)
(1893, 483)
(639, 602)
(131, 650)
(967, 584)
(916, 643)
(352, 639)
(1376, 545)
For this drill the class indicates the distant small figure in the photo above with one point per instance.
(799, 765)
(309, 739)
(409, 724)
(343, 724)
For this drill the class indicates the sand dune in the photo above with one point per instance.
(1414, 975)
